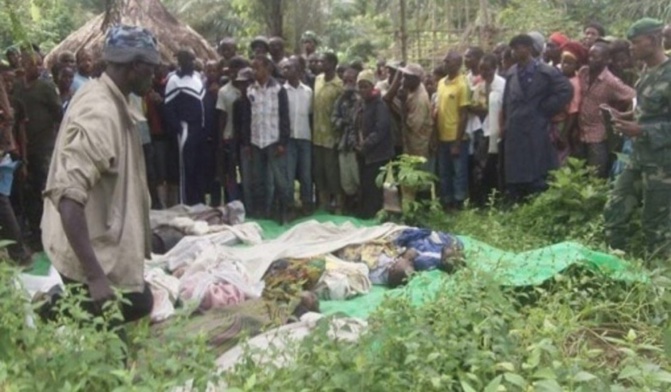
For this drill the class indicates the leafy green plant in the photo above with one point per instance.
(408, 172)
(81, 353)
(571, 208)
(476, 336)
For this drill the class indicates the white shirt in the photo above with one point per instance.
(225, 99)
(300, 107)
(265, 127)
(491, 126)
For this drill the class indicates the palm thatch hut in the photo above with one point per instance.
(151, 14)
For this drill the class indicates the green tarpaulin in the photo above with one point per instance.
(511, 269)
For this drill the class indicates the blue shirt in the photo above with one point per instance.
(78, 81)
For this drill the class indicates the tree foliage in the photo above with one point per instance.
(356, 29)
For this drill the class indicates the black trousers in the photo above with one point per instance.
(134, 306)
(10, 229)
(38, 170)
(370, 195)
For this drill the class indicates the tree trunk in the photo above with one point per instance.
(274, 16)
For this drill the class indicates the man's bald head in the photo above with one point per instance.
(453, 62)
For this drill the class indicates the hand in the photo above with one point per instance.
(616, 113)
(627, 128)
(100, 291)
(280, 150)
(455, 149)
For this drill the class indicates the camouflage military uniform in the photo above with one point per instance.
(647, 177)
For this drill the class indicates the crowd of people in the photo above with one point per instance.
(250, 127)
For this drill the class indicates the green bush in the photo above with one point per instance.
(580, 333)
(79, 353)
(571, 208)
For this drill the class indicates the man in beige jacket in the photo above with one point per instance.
(96, 208)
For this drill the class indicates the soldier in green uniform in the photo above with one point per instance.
(647, 177)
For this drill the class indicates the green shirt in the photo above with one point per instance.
(43, 107)
(653, 112)
(326, 94)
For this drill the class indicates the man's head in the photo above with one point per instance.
(84, 62)
(552, 53)
(65, 77)
(328, 62)
(290, 70)
(13, 57)
(186, 60)
(431, 80)
(276, 47)
(453, 62)
(235, 65)
(349, 78)
(314, 64)
(260, 46)
(667, 37)
(263, 68)
(472, 58)
(592, 32)
(522, 48)
(131, 54)
(413, 74)
(365, 82)
(488, 66)
(357, 64)
(310, 42)
(340, 70)
(300, 62)
(212, 71)
(646, 38)
(30, 65)
(243, 79)
(228, 47)
(599, 57)
(620, 55)
(538, 43)
(67, 59)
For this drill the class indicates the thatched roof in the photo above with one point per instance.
(151, 14)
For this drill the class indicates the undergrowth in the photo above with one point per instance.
(80, 353)
(581, 331)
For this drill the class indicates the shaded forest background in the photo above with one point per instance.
(356, 29)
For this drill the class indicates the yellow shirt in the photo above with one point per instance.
(452, 95)
(98, 161)
(326, 93)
